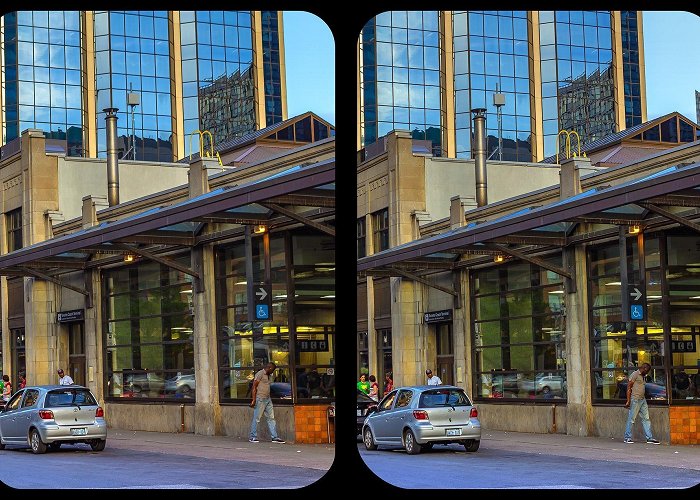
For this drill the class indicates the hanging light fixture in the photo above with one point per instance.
(129, 257)
(498, 258)
(259, 229)
(635, 229)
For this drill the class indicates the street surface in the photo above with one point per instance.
(509, 460)
(150, 460)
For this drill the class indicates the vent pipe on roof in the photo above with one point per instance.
(112, 160)
(479, 155)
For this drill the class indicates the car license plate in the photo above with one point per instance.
(359, 413)
(454, 432)
(81, 431)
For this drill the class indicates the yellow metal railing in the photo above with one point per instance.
(203, 153)
(568, 144)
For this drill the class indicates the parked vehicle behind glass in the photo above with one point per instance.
(41, 417)
(417, 417)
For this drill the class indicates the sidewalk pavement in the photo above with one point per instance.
(310, 456)
(599, 448)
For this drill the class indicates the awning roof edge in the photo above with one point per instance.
(313, 175)
(630, 192)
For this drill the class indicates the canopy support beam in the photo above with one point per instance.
(304, 220)
(670, 215)
(161, 260)
(533, 260)
(413, 277)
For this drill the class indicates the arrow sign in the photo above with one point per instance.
(636, 294)
(262, 293)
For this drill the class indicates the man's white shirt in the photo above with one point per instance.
(65, 380)
(434, 380)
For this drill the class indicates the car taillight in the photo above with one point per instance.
(420, 414)
(46, 414)
(473, 413)
(100, 412)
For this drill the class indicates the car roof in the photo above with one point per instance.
(429, 387)
(56, 386)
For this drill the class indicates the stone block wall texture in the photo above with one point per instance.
(685, 424)
(311, 425)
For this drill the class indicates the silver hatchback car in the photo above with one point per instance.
(39, 417)
(417, 417)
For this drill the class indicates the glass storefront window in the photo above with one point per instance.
(519, 332)
(149, 331)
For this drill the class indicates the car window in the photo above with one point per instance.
(404, 398)
(31, 398)
(388, 401)
(14, 401)
(444, 397)
(69, 397)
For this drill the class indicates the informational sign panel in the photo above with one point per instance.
(263, 301)
(312, 345)
(70, 316)
(438, 316)
(683, 345)
(637, 301)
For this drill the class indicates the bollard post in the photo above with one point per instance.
(182, 418)
(554, 419)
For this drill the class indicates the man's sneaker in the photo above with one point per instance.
(253, 440)
(653, 441)
(628, 441)
(278, 440)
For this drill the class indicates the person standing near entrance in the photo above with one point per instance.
(432, 379)
(637, 404)
(22, 381)
(263, 404)
(63, 378)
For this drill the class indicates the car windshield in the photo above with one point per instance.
(444, 397)
(69, 397)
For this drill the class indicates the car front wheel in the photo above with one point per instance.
(37, 445)
(369, 440)
(471, 445)
(409, 442)
(98, 444)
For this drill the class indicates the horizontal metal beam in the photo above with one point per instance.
(413, 277)
(534, 260)
(303, 200)
(228, 218)
(158, 239)
(670, 215)
(522, 239)
(618, 221)
(676, 200)
(166, 262)
(300, 218)
(46, 277)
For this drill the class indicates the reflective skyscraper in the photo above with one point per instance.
(219, 71)
(424, 71)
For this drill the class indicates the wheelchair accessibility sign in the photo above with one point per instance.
(262, 311)
(636, 312)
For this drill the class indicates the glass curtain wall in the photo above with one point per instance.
(132, 54)
(519, 331)
(218, 73)
(630, 68)
(271, 67)
(300, 337)
(149, 334)
(578, 86)
(401, 77)
(490, 52)
(41, 73)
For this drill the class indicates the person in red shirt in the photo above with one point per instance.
(22, 381)
(388, 383)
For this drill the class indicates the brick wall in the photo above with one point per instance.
(311, 425)
(685, 426)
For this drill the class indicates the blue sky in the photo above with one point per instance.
(310, 62)
(672, 72)
(672, 62)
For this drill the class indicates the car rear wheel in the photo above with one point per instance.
(35, 442)
(185, 389)
(409, 442)
(55, 445)
(2, 446)
(368, 439)
(98, 444)
(471, 445)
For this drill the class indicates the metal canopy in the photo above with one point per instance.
(647, 201)
(161, 230)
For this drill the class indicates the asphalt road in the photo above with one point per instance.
(518, 460)
(147, 460)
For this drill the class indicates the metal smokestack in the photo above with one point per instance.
(479, 155)
(112, 160)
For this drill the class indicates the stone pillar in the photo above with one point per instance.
(408, 353)
(93, 335)
(91, 205)
(461, 337)
(579, 412)
(207, 418)
(198, 175)
(570, 176)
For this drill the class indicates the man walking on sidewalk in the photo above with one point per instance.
(263, 404)
(637, 404)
